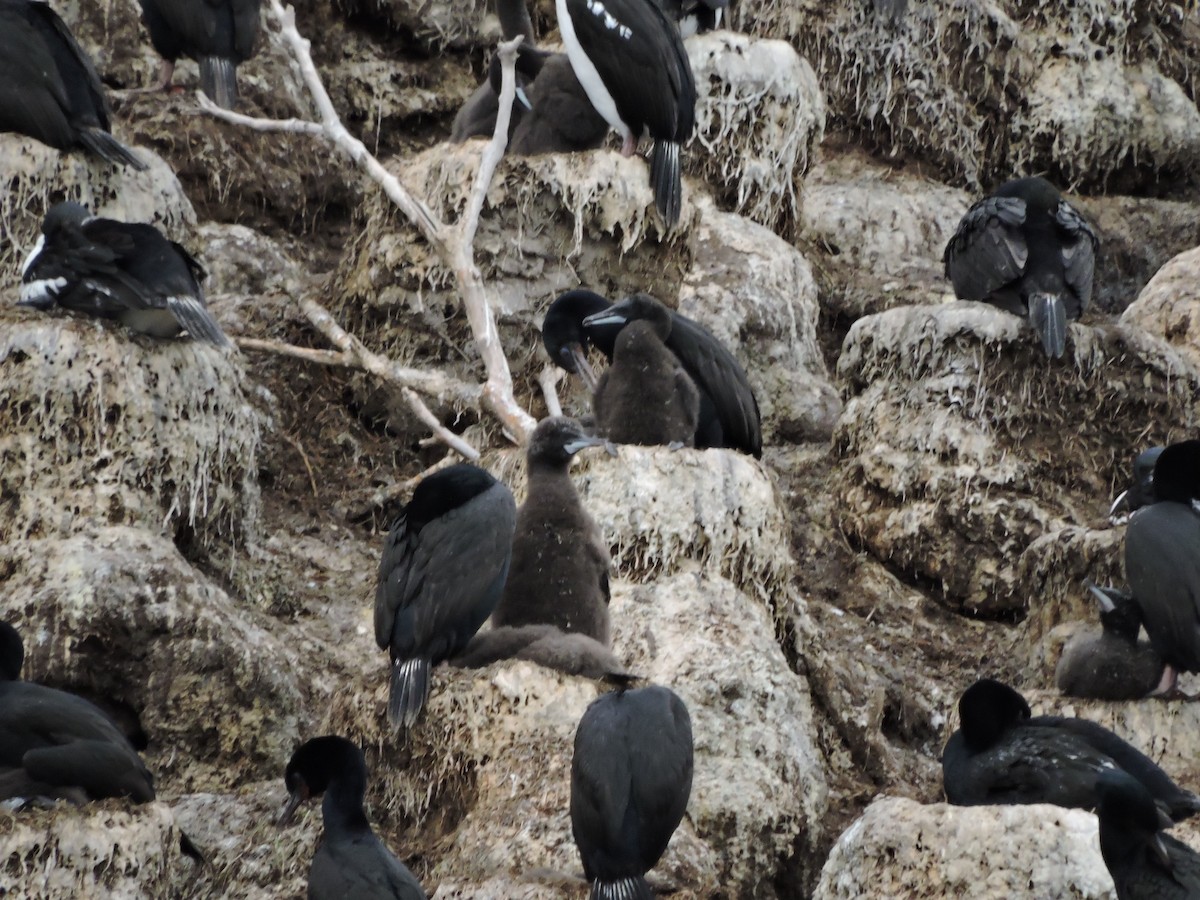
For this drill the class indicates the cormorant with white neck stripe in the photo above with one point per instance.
(629, 57)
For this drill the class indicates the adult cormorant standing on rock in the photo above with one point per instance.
(443, 569)
(1162, 561)
(560, 561)
(117, 270)
(1000, 755)
(218, 34)
(351, 863)
(49, 89)
(1029, 252)
(631, 776)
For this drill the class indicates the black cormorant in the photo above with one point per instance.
(1141, 492)
(1162, 561)
(1113, 665)
(351, 863)
(443, 569)
(1000, 755)
(218, 34)
(629, 57)
(117, 270)
(1029, 252)
(49, 89)
(631, 776)
(560, 563)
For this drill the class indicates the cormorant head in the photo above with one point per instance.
(1035, 191)
(1130, 820)
(1177, 473)
(566, 338)
(67, 214)
(557, 439)
(987, 709)
(638, 306)
(443, 491)
(1119, 612)
(1141, 492)
(315, 765)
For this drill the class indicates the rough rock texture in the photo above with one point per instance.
(104, 850)
(758, 296)
(961, 443)
(901, 849)
(97, 425)
(1169, 307)
(1088, 92)
(118, 614)
(760, 115)
(434, 25)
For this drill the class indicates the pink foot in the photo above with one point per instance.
(628, 146)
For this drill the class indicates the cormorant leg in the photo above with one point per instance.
(629, 145)
(1167, 689)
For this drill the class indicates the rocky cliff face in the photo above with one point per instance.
(191, 537)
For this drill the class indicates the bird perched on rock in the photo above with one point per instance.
(546, 645)
(54, 745)
(117, 270)
(557, 115)
(443, 569)
(1000, 755)
(477, 117)
(729, 415)
(1145, 864)
(1141, 492)
(49, 89)
(646, 396)
(218, 34)
(631, 777)
(629, 57)
(1029, 252)
(1162, 561)
(1113, 665)
(351, 863)
(560, 561)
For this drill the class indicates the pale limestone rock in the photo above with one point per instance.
(901, 849)
(757, 295)
(961, 443)
(1169, 307)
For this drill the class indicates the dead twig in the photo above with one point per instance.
(548, 381)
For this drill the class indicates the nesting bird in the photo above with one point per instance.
(1141, 492)
(631, 777)
(443, 570)
(117, 270)
(1029, 252)
(49, 89)
(630, 59)
(351, 863)
(1113, 665)
(1145, 864)
(218, 34)
(546, 645)
(1162, 561)
(54, 745)
(477, 117)
(560, 562)
(1000, 755)
(557, 116)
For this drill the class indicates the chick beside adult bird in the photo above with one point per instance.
(444, 564)
(1114, 664)
(1029, 252)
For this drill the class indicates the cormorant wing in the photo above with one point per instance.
(245, 27)
(717, 373)
(100, 768)
(1162, 562)
(75, 70)
(640, 58)
(988, 250)
(1078, 251)
(361, 868)
(34, 97)
(601, 779)
(196, 21)
(662, 777)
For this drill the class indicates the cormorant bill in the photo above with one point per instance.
(49, 89)
(1113, 665)
(1029, 252)
(630, 59)
(560, 560)
(351, 863)
(729, 415)
(218, 34)
(1000, 755)
(567, 339)
(646, 396)
(1141, 492)
(559, 117)
(443, 569)
(117, 270)
(1145, 864)
(1162, 561)
(54, 745)
(631, 776)
(694, 16)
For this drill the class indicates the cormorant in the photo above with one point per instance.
(695, 16)
(443, 569)
(559, 118)
(629, 57)
(560, 561)
(49, 89)
(1029, 252)
(1000, 755)
(631, 776)
(1162, 561)
(351, 863)
(117, 270)
(1113, 665)
(546, 645)
(1141, 492)
(218, 34)
(477, 117)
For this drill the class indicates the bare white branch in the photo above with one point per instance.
(254, 123)
(548, 382)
